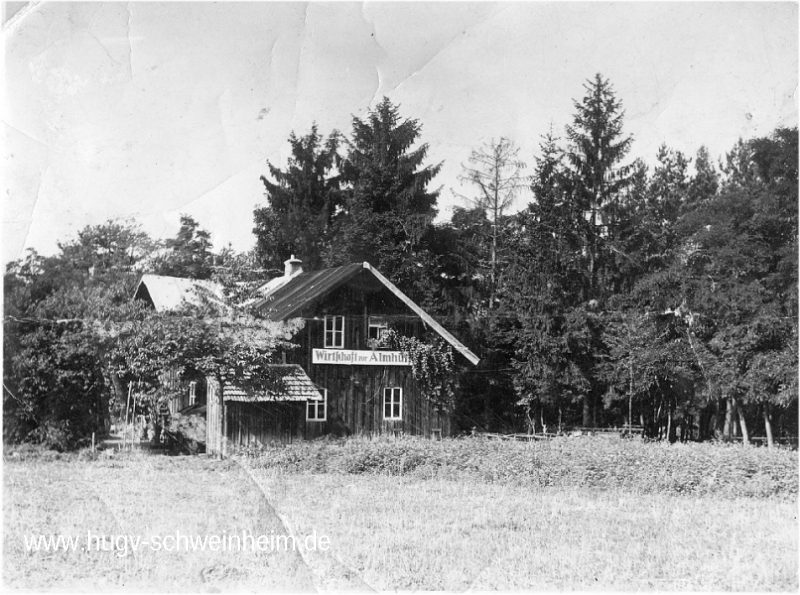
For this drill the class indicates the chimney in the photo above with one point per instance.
(293, 267)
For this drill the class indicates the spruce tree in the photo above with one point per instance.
(303, 202)
(597, 149)
(387, 207)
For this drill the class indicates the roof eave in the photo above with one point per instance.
(445, 334)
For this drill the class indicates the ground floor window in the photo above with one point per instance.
(393, 403)
(318, 410)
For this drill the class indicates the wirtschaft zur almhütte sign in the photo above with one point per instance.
(351, 357)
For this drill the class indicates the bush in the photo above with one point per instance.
(31, 452)
(188, 432)
(597, 463)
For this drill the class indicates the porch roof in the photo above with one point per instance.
(297, 387)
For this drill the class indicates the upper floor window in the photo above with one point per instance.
(334, 332)
(393, 403)
(318, 410)
(377, 328)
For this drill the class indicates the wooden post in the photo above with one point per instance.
(224, 433)
(92, 441)
(133, 422)
(127, 415)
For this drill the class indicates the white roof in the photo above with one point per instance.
(168, 293)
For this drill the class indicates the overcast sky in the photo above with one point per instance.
(149, 110)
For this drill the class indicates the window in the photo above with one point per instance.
(377, 328)
(393, 403)
(334, 332)
(192, 392)
(318, 410)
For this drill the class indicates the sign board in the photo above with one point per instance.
(351, 357)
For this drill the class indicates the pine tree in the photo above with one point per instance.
(188, 253)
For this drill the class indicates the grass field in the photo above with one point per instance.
(406, 527)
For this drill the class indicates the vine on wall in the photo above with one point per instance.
(432, 366)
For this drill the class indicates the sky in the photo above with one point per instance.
(148, 110)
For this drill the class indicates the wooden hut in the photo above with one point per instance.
(341, 380)
(367, 389)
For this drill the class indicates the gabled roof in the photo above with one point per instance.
(305, 289)
(301, 291)
(168, 293)
(297, 386)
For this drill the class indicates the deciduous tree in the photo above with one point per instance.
(495, 173)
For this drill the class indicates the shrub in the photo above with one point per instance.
(597, 463)
(188, 433)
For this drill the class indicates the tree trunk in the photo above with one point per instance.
(719, 431)
(587, 411)
(669, 424)
(768, 426)
(494, 257)
(743, 426)
(657, 421)
(702, 422)
(630, 397)
(727, 431)
(531, 421)
(119, 395)
(487, 410)
(709, 429)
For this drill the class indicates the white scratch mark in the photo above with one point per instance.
(35, 204)
(450, 42)
(100, 43)
(299, 60)
(130, 44)
(378, 86)
(22, 132)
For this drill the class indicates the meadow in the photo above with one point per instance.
(411, 514)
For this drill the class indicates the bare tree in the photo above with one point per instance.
(496, 172)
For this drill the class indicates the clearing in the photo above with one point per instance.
(385, 532)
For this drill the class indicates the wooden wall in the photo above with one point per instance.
(249, 424)
(182, 401)
(355, 393)
(214, 419)
(355, 407)
(355, 402)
